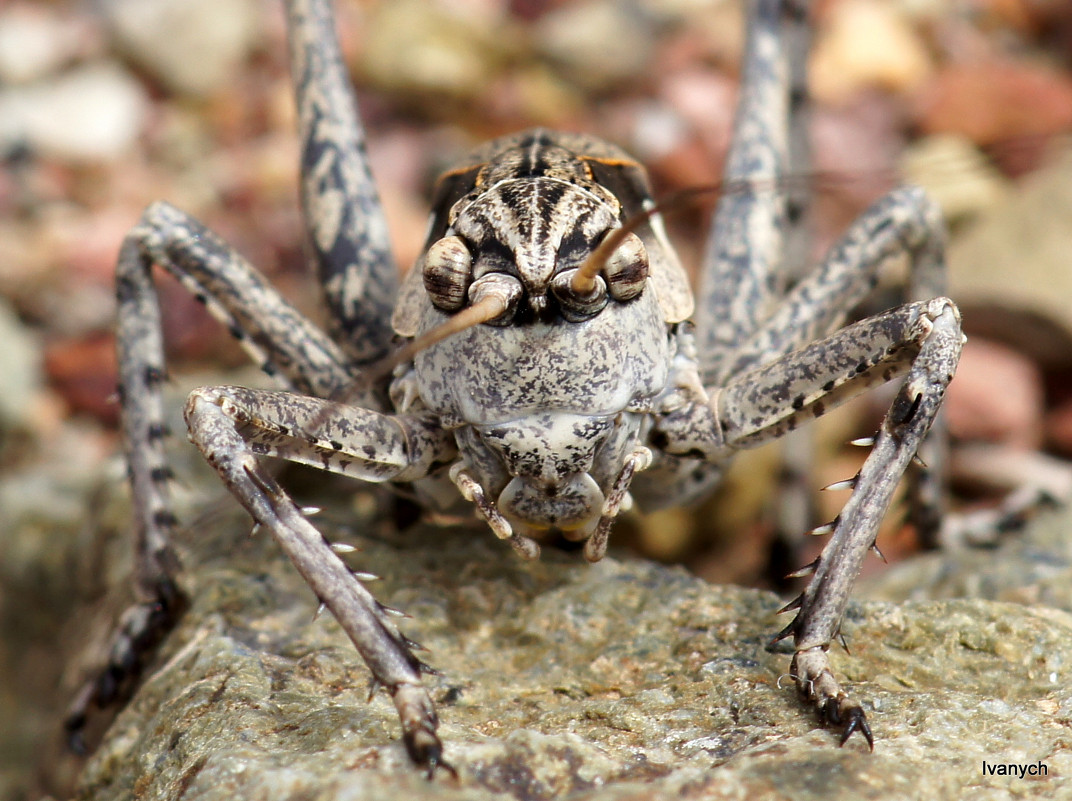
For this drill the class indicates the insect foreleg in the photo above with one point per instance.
(923, 339)
(936, 337)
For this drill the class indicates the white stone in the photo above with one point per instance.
(33, 43)
(93, 113)
(192, 46)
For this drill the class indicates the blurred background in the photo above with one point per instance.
(108, 105)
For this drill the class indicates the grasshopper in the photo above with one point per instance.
(551, 365)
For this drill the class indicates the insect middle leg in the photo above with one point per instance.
(757, 301)
(276, 335)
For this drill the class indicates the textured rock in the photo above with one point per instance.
(1030, 567)
(560, 680)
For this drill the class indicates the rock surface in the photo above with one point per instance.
(560, 680)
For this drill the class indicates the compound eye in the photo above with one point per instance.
(448, 269)
(626, 270)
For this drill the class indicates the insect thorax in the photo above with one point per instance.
(548, 401)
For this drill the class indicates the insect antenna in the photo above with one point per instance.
(583, 282)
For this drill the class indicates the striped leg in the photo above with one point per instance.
(741, 281)
(348, 233)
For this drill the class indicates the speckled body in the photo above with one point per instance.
(546, 434)
(580, 376)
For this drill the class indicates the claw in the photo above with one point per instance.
(426, 750)
(854, 719)
(857, 721)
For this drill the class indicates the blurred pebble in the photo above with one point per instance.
(854, 146)
(997, 396)
(192, 46)
(403, 165)
(655, 131)
(36, 41)
(92, 113)
(706, 102)
(20, 365)
(955, 173)
(599, 43)
(432, 49)
(866, 44)
(83, 372)
(1059, 428)
(1016, 255)
(995, 102)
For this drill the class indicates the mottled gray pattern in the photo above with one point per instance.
(740, 281)
(348, 232)
(541, 415)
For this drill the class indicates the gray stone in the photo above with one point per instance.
(193, 46)
(1033, 566)
(559, 680)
